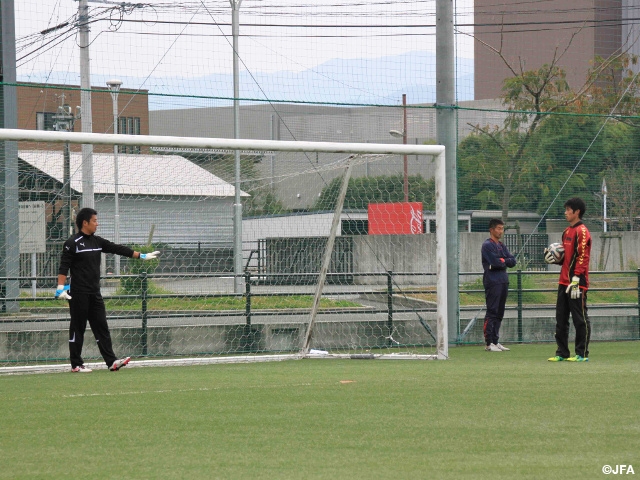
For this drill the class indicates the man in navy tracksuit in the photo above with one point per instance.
(81, 255)
(495, 260)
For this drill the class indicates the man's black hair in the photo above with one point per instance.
(494, 222)
(576, 203)
(84, 215)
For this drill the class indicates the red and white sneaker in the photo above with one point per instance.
(118, 364)
(81, 369)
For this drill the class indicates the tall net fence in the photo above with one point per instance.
(546, 109)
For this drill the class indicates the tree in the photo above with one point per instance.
(530, 96)
(383, 189)
(616, 92)
(616, 95)
(622, 174)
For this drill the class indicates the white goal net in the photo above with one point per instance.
(269, 249)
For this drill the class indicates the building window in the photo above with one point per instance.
(45, 120)
(129, 126)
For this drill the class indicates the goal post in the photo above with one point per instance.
(381, 306)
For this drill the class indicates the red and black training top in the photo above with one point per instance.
(576, 241)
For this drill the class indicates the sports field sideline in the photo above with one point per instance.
(478, 415)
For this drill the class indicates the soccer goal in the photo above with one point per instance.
(270, 249)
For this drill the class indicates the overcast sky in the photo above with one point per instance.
(165, 42)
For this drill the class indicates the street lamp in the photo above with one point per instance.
(63, 121)
(114, 88)
(403, 134)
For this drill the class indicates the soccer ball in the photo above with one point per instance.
(557, 252)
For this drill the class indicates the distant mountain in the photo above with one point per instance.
(361, 81)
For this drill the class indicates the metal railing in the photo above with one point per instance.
(391, 299)
(519, 291)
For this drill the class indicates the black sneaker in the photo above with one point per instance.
(118, 364)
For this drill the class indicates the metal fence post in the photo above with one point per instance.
(247, 305)
(519, 307)
(639, 303)
(144, 293)
(390, 306)
(248, 341)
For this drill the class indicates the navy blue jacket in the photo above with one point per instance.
(495, 260)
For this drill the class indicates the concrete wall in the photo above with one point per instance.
(542, 329)
(610, 252)
(398, 253)
(208, 340)
(204, 340)
(411, 254)
(614, 251)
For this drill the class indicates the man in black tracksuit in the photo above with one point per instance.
(81, 255)
(495, 260)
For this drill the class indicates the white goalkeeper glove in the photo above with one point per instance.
(61, 292)
(149, 256)
(574, 288)
(548, 256)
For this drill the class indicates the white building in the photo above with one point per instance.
(166, 195)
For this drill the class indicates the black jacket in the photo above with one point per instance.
(82, 255)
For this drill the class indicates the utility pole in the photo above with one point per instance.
(85, 102)
(446, 126)
(9, 223)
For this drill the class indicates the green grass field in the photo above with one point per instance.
(509, 415)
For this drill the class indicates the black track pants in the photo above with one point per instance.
(565, 305)
(89, 307)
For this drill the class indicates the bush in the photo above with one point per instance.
(133, 285)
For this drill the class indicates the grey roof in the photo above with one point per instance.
(137, 174)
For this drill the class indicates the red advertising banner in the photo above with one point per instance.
(395, 218)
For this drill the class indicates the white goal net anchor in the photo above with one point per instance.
(306, 347)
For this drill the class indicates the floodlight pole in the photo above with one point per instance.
(114, 88)
(9, 205)
(238, 283)
(447, 133)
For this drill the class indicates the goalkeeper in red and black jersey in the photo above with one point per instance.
(573, 285)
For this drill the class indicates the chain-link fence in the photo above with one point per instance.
(546, 109)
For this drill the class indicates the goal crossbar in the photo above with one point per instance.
(219, 143)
